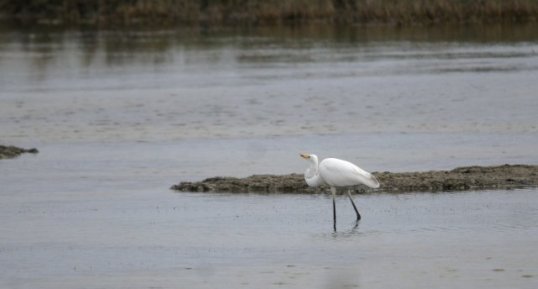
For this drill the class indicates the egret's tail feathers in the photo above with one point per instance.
(372, 182)
(367, 178)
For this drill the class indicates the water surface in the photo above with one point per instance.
(147, 239)
(119, 116)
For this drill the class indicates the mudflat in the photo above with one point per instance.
(458, 179)
(7, 152)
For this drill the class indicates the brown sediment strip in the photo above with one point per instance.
(7, 152)
(459, 179)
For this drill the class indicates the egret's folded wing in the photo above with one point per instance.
(338, 172)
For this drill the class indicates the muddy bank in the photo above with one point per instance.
(459, 179)
(8, 152)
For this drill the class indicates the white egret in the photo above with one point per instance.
(337, 173)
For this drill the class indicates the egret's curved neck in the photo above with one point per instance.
(311, 175)
(314, 164)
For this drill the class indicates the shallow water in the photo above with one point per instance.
(158, 239)
(107, 86)
(120, 116)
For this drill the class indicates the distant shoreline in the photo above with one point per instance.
(161, 12)
(458, 179)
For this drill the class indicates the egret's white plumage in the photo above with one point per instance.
(340, 173)
(337, 173)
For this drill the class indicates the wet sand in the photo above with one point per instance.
(8, 152)
(459, 179)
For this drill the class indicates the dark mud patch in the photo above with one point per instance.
(8, 152)
(459, 179)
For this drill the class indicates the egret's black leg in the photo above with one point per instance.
(354, 207)
(333, 190)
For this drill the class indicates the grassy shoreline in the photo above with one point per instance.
(158, 12)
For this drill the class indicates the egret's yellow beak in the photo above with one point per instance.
(305, 156)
